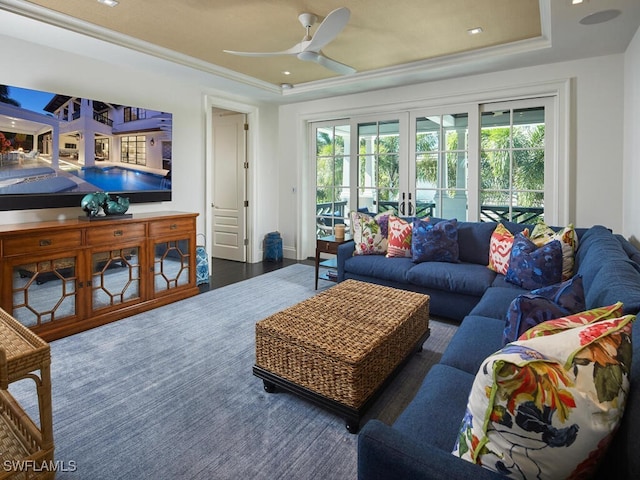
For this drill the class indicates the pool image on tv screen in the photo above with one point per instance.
(54, 149)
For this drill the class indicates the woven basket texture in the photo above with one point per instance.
(344, 342)
(20, 447)
(21, 352)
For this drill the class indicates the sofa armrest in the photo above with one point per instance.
(345, 251)
(385, 453)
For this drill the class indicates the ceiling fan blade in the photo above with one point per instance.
(334, 65)
(297, 48)
(329, 29)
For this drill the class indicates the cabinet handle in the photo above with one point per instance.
(45, 242)
(173, 226)
(117, 233)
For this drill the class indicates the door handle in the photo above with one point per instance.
(410, 206)
(402, 205)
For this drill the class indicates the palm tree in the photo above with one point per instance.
(4, 96)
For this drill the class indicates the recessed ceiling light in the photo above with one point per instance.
(286, 72)
(474, 31)
(600, 17)
(108, 3)
(576, 2)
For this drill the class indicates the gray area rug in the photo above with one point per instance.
(169, 394)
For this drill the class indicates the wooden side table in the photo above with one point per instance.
(327, 245)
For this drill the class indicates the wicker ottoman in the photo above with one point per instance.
(340, 347)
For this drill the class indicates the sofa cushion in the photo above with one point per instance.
(542, 234)
(532, 267)
(597, 243)
(433, 416)
(528, 310)
(625, 288)
(399, 238)
(496, 300)
(476, 338)
(532, 406)
(435, 243)
(379, 266)
(473, 241)
(467, 278)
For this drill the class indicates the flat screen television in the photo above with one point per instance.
(55, 149)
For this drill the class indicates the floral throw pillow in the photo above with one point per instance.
(568, 239)
(575, 320)
(435, 243)
(532, 267)
(370, 233)
(399, 241)
(546, 407)
(500, 248)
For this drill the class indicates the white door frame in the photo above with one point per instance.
(251, 111)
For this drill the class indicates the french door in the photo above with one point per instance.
(416, 164)
(488, 162)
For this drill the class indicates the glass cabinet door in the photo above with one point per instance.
(115, 277)
(171, 264)
(45, 291)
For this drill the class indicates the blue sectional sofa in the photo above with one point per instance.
(419, 443)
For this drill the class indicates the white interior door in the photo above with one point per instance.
(229, 186)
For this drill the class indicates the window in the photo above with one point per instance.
(441, 166)
(333, 198)
(379, 166)
(134, 150)
(133, 113)
(512, 162)
(101, 149)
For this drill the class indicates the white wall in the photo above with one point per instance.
(631, 169)
(87, 67)
(595, 195)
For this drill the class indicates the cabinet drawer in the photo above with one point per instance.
(42, 242)
(327, 247)
(115, 233)
(178, 225)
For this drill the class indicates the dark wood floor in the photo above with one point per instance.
(226, 272)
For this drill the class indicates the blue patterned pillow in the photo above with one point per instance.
(548, 303)
(568, 294)
(435, 243)
(532, 267)
(527, 311)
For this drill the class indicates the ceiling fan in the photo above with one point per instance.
(310, 48)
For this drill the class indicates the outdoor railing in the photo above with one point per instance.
(332, 213)
(527, 215)
(422, 209)
(99, 117)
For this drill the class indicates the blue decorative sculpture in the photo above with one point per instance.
(117, 207)
(92, 203)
